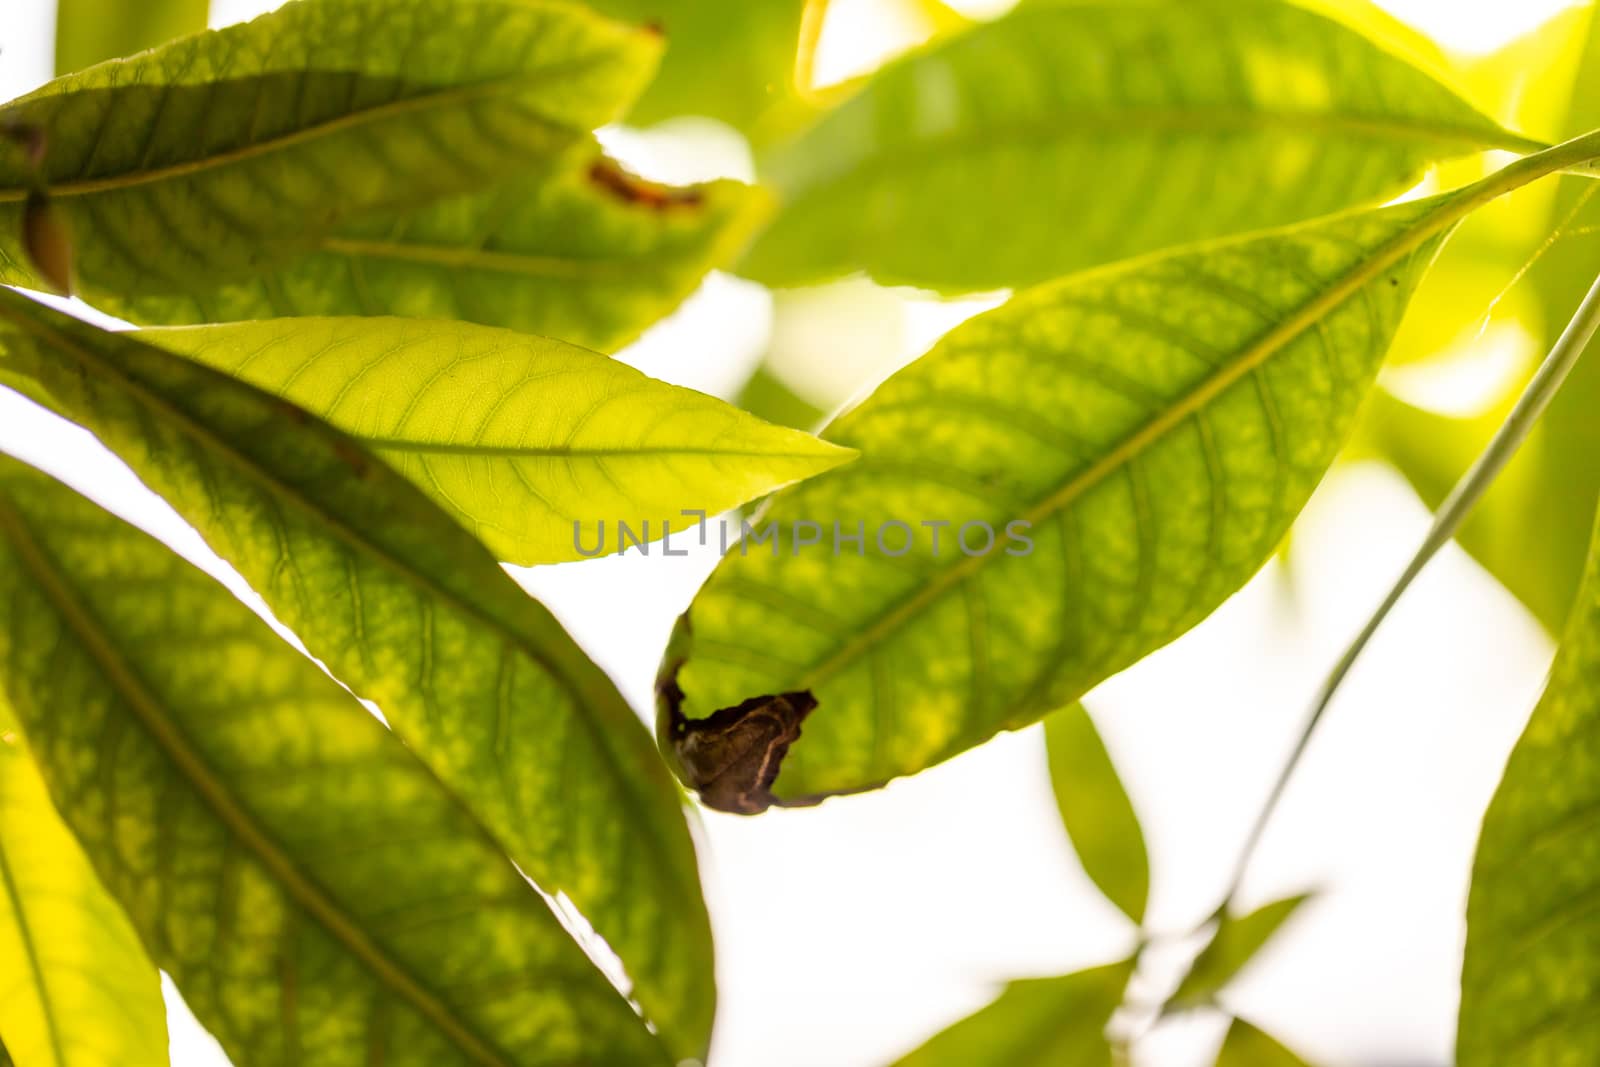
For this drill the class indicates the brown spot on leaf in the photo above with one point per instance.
(45, 240)
(352, 456)
(631, 189)
(732, 757)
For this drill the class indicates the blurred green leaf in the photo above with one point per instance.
(89, 31)
(1247, 1046)
(78, 989)
(1092, 132)
(535, 445)
(1096, 810)
(317, 894)
(1036, 1022)
(1531, 975)
(1234, 944)
(408, 610)
(766, 396)
(222, 154)
(1158, 424)
(586, 253)
(733, 60)
(1546, 496)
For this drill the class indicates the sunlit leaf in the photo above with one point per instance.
(1096, 810)
(88, 31)
(76, 988)
(406, 608)
(1086, 133)
(222, 153)
(1531, 975)
(1234, 944)
(541, 448)
(1155, 428)
(733, 60)
(1248, 1046)
(587, 253)
(1036, 1022)
(317, 894)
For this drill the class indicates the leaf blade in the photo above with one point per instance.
(90, 996)
(1096, 811)
(539, 474)
(1233, 945)
(381, 585)
(1035, 1022)
(1249, 1046)
(221, 152)
(349, 940)
(89, 31)
(911, 178)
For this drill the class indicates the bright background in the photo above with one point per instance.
(849, 933)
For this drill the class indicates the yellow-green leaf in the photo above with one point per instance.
(1086, 133)
(1531, 976)
(89, 31)
(1036, 1022)
(76, 988)
(1234, 944)
(587, 253)
(317, 894)
(733, 60)
(223, 153)
(541, 448)
(406, 608)
(1249, 1046)
(1096, 810)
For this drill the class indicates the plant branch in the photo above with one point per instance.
(1535, 398)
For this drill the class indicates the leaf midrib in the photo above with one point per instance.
(445, 98)
(411, 446)
(31, 951)
(149, 710)
(1449, 212)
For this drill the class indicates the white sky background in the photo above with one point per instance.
(848, 933)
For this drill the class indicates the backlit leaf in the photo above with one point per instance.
(405, 607)
(1156, 426)
(1234, 944)
(1096, 810)
(76, 988)
(222, 153)
(1248, 1046)
(312, 888)
(1036, 1022)
(1531, 975)
(89, 31)
(733, 60)
(586, 253)
(537, 446)
(1086, 133)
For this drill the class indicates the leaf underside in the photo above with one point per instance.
(409, 611)
(315, 892)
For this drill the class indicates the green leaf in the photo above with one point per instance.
(1096, 810)
(1157, 426)
(76, 988)
(317, 894)
(1532, 973)
(89, 31)
(587, 253)
(222, 154)
(733, 60)
(1036, 1022)
(1247, 1046)
(542, 449)
(408, 610)
(1234, 944)
(768, 397)
(1091, 132)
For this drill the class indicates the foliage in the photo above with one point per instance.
(382, 251)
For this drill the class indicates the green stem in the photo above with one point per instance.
(1468, 491)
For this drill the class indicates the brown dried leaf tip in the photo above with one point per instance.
(631, 189)
(732, 757)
